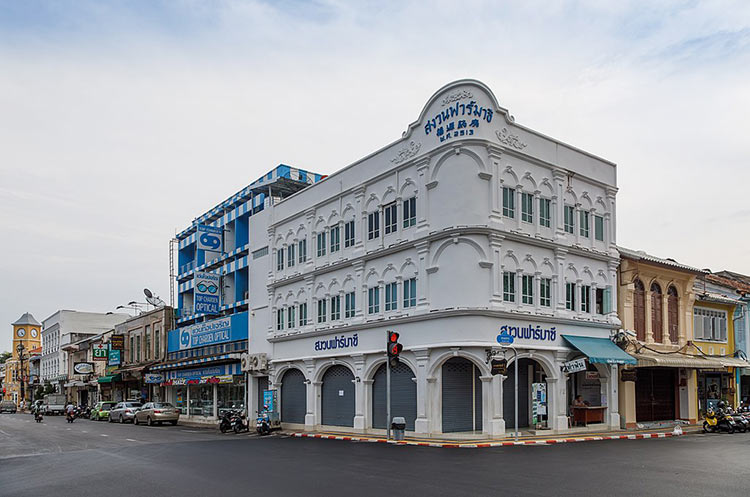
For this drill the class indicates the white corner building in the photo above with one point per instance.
(467, 226)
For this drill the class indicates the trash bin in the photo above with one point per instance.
(398, 426)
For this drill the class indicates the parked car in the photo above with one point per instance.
(124, 412)
(8, 406)
(101, 410)
(157, 412)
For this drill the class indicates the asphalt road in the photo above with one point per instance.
(91, 458)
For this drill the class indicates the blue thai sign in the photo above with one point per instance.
(529, 332)
(458, 120)
(209, 238)
(228, 329)
(341, 342)
(209, 371)
(114, 357)
(206, 293)
(504, 338)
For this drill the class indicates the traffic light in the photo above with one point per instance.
(393, 348)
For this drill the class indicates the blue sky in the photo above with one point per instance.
(117, 117)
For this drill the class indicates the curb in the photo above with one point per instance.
(455, 445)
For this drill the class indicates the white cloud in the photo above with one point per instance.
(122, 124)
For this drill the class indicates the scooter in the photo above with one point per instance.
(262, 423)
(716, 423)
(225, 421)
(38, 417)
(741, 422)
(238, 422)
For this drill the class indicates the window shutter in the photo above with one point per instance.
(607, 300)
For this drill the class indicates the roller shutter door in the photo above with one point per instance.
(338, 397)
(462, 396)
(523, 395)
(293, 397)
(403, 396)
(262, 386)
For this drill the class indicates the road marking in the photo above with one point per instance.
(84, 431)
(131, 440)
(103, 435)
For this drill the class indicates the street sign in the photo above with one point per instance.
(504, 339)
(574, 366)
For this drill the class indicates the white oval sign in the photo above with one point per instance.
(83, 368)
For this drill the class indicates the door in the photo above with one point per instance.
(293, 397)
(262, 386)
(462, 396)
(523, 395)
(655, 394)
(338, 397)
(403, 396)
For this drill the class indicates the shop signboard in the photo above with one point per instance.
(100, 351)
(153, 378)
(628, 374)
(222, 330)
(504, 338)
(574, 366)
(206, 293)
(114, 357)
(209, 238)
(117, 342)
(539, 401)
(269, 400)
(83, 367)
(499, 366)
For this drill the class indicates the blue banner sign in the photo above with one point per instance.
(228, 329)
(114, 357)
(209, 238)
(530, 332)
(504, 338)
(206, 293)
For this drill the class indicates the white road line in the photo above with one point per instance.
(131, 440)
(84, 431)
(103, 435)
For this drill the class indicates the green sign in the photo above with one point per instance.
(100, 351)
(114, 357)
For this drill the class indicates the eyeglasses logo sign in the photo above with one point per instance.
(210, 288)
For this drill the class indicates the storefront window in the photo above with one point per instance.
(180, 398)
(201, 400)
(230, 397)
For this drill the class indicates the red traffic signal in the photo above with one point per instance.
(393, 348)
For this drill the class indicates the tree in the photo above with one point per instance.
(4, 356)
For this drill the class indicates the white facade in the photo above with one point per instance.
(471, 237)
(57, 331)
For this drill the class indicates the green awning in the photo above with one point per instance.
(600, 350)
(110, 379)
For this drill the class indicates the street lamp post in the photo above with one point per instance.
(20, 349)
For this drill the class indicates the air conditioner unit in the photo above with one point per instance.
(245, 361)
(257, 362)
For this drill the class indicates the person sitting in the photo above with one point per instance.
(579, 402)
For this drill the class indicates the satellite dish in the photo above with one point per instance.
(153, 299)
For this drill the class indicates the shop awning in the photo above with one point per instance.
(600, 350)
(651, 359)
(733, 362)
(110, 379)
(195, 362)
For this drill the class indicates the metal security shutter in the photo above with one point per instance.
(293, 397)
(462, 396)
(262, 385)
(655, 390)
(523, 395)
(338, 397)
(403, 396)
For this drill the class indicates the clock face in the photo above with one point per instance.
(34, 333)
(21, 332)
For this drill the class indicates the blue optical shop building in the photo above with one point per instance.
(202, 374)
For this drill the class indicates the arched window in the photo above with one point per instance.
(639, 310)
(657, 323)
(672, 306)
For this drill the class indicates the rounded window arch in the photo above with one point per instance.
(673, 314)
(657, 323)
(639, 310)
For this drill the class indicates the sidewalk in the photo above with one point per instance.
(503, 442)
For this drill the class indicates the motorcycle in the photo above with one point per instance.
(741, 422)
(70, 416)
(238, 422)
(86, 412)
(225, 420)
(38, 415)
(262, 424)
(718, 422)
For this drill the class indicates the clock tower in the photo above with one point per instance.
(27, 335)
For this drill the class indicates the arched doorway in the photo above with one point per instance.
(673, 313)
(403, 396)
(293, 397)
(657, 323)
(337, 401)
(462, 396)
(529, 372)
(639, 310)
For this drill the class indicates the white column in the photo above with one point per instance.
(359, 392)
(310, 392)
(422, 423)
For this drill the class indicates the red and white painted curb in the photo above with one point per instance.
(551, 441)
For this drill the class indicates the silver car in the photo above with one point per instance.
(157, 413)
(124, 412)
